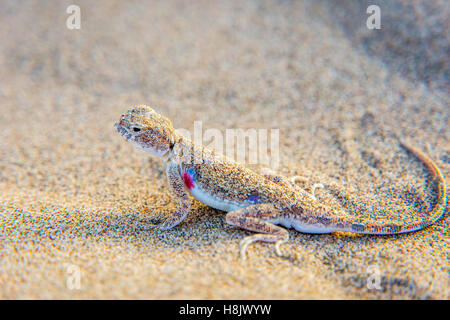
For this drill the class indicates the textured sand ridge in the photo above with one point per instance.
(75, 196)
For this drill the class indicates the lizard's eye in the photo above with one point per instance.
(136, 129)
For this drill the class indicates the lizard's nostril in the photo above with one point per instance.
(120, 123)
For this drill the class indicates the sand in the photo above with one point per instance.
(75, 198)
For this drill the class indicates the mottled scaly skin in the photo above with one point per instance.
(255, 202)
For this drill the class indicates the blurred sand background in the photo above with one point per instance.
(74, 193)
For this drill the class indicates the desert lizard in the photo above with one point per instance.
(260, 203)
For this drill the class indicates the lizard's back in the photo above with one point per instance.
(227, 185)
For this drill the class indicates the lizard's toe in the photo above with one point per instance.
(277, 248)
(149, 224)
(167, 224)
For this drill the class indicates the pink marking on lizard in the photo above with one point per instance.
(188, 180)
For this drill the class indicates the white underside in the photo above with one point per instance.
(227, 206)
(301, 227)
(216, 203)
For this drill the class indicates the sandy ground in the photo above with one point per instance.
(74, 195)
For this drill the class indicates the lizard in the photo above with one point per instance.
(267, 204)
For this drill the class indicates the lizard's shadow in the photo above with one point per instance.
(201, 227)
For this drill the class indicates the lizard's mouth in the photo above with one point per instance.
(122, 131)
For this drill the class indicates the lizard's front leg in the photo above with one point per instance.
(178, 190)
(257, 218)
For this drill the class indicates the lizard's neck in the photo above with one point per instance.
(185, 151)
(178, 149)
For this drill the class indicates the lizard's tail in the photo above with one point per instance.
(436, 213)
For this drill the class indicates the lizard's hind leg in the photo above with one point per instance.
(292, 182)
(271, 175)
(257, 218)
(295, 179)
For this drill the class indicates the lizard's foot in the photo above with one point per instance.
(312, 195)
(315, 186)
(147, 224)
(163, 222)
(171, 222)
(256, 218)
(261, 237)
(268, 174)
(154, 223)
(165, 226)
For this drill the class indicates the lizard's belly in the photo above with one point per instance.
(302, 227)
(215, 202)
(208, 198)
(229, 205)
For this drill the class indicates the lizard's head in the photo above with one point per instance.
(147, 130)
